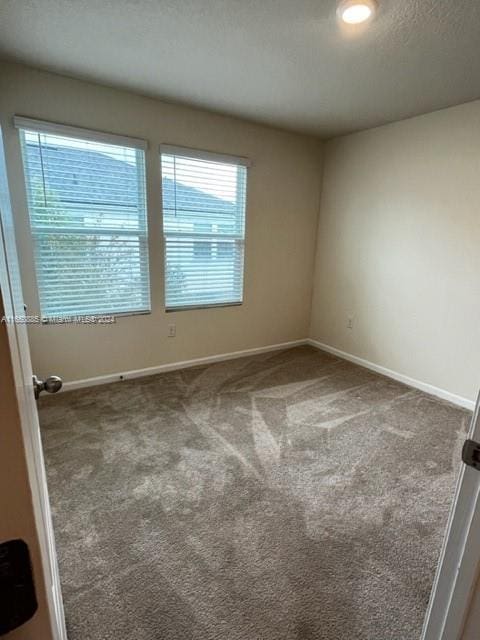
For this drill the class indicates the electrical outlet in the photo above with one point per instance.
(350, 322)
(172, 330)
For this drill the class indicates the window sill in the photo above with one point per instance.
(197, 307)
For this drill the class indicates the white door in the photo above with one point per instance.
(11, 291)
(460, 558)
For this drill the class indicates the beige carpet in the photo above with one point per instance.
(290, 495)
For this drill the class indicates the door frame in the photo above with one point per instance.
(459, 564)
(10, 290)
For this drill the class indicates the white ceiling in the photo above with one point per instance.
(283, 62)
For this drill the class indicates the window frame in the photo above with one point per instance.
(26, 124)
(208, 156)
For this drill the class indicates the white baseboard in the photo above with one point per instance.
(400, 377)
(185, 364)
(172, 366)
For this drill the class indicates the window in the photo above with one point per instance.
(204, 227)
(87, 206)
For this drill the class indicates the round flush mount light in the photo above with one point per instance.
(356, 11)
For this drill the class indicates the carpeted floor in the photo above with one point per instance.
(285, 496)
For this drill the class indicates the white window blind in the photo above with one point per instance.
(204, 227)
(88, 220)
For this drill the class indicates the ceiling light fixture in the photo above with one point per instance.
(356, 11)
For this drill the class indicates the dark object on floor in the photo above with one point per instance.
(285, 496)
(471, 454)
(18, 602)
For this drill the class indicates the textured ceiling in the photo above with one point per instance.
(283, 62)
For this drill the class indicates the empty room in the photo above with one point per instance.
(240, 310)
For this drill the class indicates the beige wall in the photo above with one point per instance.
(399, 248)
(282, 208)
(17, 520)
